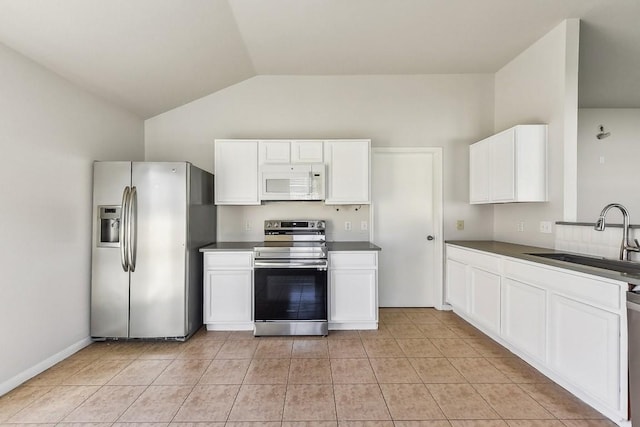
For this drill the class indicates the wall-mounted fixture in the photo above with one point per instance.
(602, 134)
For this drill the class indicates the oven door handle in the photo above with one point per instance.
(270, 264)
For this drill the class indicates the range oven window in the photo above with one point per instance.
(290, 294)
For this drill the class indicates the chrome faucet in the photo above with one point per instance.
(625, 247)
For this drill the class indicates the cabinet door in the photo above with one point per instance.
(236, 172)
(585, 347)
(479, 169)
(227, 296)
(353, 296)
(531, 163)
(503, 163)
(307, 152)
(275, 152)
(457, 285)
(347, 171)
(484, 304)
(524, 317)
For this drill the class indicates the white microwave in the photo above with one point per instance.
(292, 181)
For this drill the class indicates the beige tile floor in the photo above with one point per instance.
(421, 368)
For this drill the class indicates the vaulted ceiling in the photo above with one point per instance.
(150, 56)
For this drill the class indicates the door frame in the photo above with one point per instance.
(438, 203)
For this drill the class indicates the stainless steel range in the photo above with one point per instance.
(290, 279)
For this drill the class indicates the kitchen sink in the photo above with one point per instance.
(625, 267)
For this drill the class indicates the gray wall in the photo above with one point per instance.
(608, 169)
(449, 111)
(51, 133)
(541, 86)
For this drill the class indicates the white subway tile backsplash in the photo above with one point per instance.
(576, 234)
(586, 234)
(585, 240)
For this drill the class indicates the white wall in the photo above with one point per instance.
(615, 177)
(51, 131)
(449, 111)
(540, 86)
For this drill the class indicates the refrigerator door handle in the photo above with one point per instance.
(123, 227)
(132, 229)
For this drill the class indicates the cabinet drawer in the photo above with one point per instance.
(580, 287)
(228, 260)
(353, 260)
(476, 259)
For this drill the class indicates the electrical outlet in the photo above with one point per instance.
(521, 226)
(347, 226)
(247, 226)
(545, 227)
(364, 225)
(460, 224)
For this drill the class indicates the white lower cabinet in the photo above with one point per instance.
(353, 290)
(524, 317)
(457, 291)
(569, 325)
(585, 347)
(484, 304)
(473, 287)
(228, 285)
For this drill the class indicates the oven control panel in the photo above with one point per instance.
(295, 225)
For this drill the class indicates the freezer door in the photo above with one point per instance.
(109, 281)
(157, 291)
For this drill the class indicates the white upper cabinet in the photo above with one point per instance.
(479, 172)
(275, 152)
(510, 166)
(287, 151)
(307, 152)
(236, 172)
(348, 165)
(238, 165)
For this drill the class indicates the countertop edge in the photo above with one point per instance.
(523, 252)
(346, 246)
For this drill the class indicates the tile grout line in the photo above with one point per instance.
(235, 398)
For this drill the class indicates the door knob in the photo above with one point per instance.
(430, 237)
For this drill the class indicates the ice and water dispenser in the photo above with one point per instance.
(109, 226)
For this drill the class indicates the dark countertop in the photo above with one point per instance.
(352, 246)
(230, 246)
(248, 246)
(522, 252)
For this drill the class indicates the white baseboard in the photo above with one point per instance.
(348, 326)
(23, 376)
(229, 326)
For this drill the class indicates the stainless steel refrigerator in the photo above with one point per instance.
(150, 218)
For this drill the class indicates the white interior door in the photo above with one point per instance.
(407, 209)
